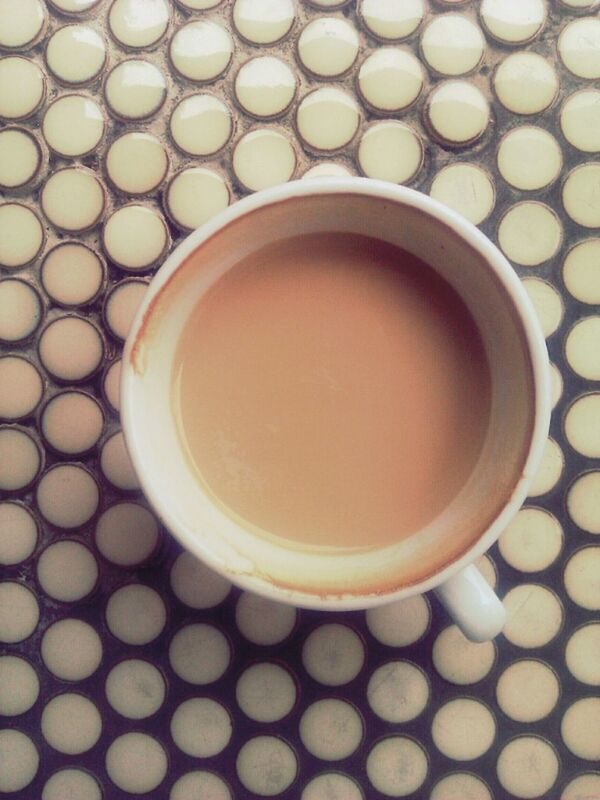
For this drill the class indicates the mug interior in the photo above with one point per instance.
(310, 578)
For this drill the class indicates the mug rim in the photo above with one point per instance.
(494, 260)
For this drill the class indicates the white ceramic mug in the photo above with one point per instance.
(441, 555)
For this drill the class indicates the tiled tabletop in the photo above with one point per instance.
(128, 669)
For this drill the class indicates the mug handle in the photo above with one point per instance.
(472, 604)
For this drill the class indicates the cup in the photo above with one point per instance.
(441, 555)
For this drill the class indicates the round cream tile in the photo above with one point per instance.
(136, 763)
(400, 623)
(262, 621)
(201, 50)
(397, 766)
(127, 534)
(20, 158)
(391, 19)
(333, 654)
(19, 612)
(67, 495)
(265, 86)
(135, 689)
(135, 237)
(332, 786)
(327, 118)
(194, 196)
(73, 783)
(18, 533)
(136, 24)
(390, 79)
(583, 502)
(460, 786)
(22, 87)
(452, 44)
(136, 614)
(72, 274)
(458, 112)
(201, 727)
(328, 4)
(467, 189)
(262, 21)
(331, 729)
(556, 385)
(579, 47)
(21, 235)
(529, 158)
(580, 195)
(21, 23)
(20, 459)
(71, 649)
(195, 584)
(582, 578)
(19, 760)
(201, 125)
(121, 305)
(581, 271)
(527, 767)
(398, 691)
(463, 729)
(116, 465)
(533, 540)
(266, 692)
(328, 46)
(390, 151)
(71, 723)
(549, 471)
(328, 169)
(580, 728)
(526, 83)
(460, 661)
(513, 23)
(581, 348)
(72, 422)
(111, 385)
(582, 654)
(20, 310)
(73, 125)
(580, 120)
(199, 654)
(262, 158)
(67, 571)
(73, 6)
(137, 163)
(530, 233)
(70, 348)
(75, 54)
(19, 685)
(266, 765)
(534, 615)
(73, 199)
(582, 786)
(547, 304)
(582, 425)
(198, 5)
(193, 783)
(22, 387)
(528, 690)
(135, 89)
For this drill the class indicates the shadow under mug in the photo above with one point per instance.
(440, 556)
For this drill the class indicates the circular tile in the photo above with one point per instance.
(20, 459)
(547, 304)
(111, 385)
(127, 534)
(331, 729)
(332, 786)
(556, 385)
(201, 125)
(265, 86)
(266, 692)
(327, 118)
(457, 112)
(72, 422)
(528, 690)
(581, 273)
(391, 19)
(582, 502)
(71, 723)
(70, 348)
(73, 6)
(22, 387)
(123, 301)
(530, 233)
(135, 689)
(72, 274)
(19, 760)
(527, 767)
(261, 22)
(20, 158)
(390, 151)
(67, 571)
(195, 585)
(467, 189)
(197, 782)
(18, 533)
(19, 686)
(136, 163)
(20, 310)
(71, 649)
(459, 660)
(581, 787)
(194, 196)
(73, 125)
(72, 783)
(580, 728)
(328, 169)
(136, 614)
(532, 541)
(266, 765)
(21, 23)
(513, 23)
(580, 120)
(390, 79)
(67, 495)
(460, 786)
(333, 654)
(22, 87)
(73, 199)
(75, 54)
(397, 766)
(262, 158)
(534, 615)
(581, 348)
(136, 763)
(198, 5)
(262, 621)
(581, 578)
(135, 237)
(199, 654)
(582, 427)
(400, 623)
(580, 195)
(201, 727)
(452, 44)
(526, 83)
(19, 612)
(138, 25)
(135, 89)
(328, 46)
(398, 691)
(463, 729)
(201, 50)
(116, 465)
(581, 654)
(579, 47)
(529, 158)
(21, 235)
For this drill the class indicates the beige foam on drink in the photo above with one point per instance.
(332, 390)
